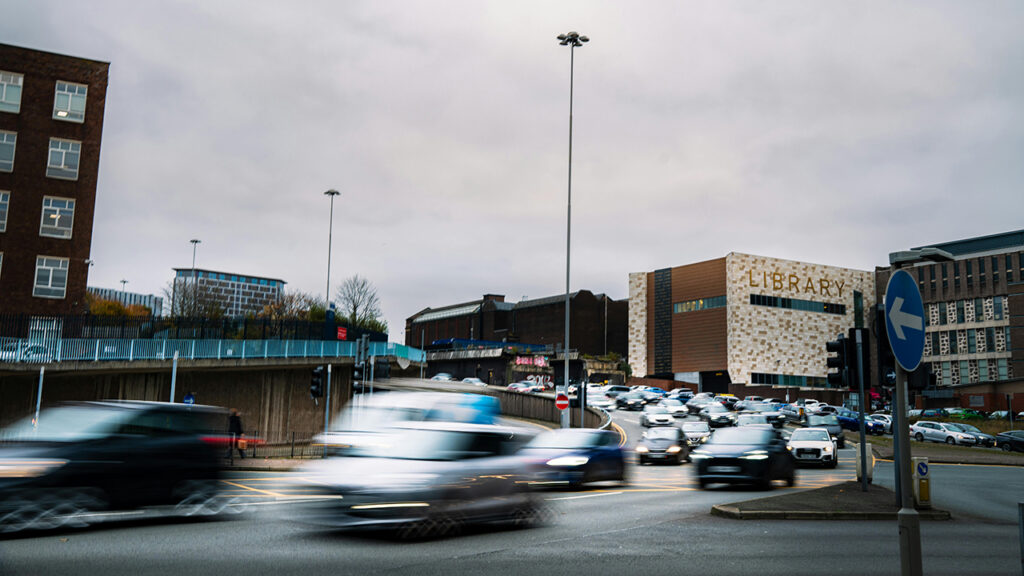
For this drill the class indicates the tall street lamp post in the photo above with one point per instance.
(330, 237)
(195, 242)
(573, 40)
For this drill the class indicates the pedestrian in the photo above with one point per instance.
(235, 430)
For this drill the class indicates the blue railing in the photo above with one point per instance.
(97, 350)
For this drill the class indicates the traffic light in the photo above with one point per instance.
(357, 377)
(316, 383)
(840, 361)
(854, 368)
(921, 378)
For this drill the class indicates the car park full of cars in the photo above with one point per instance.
(747, 455)
(663, 444)
(814, 446)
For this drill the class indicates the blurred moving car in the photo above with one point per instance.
(675, 407)
(630, 401)
(575, 456)
(424, 479)
(697, 403)
(885, 420)
(717, 415)
(598, 400)
(472, 380)
(981, 439)
(443, 377)
(522, 387)
(682, 394)
(747, 455)
(614, 390)
(828, 422)
(770, 411)
(696, 433)
(1011, 440)
(941, 432)
(663, 444)
(813, 446)
(84, 457)
(24, 352)
(749, 419)
(656, 415)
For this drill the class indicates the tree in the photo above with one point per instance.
(294, 305)
(359, 305)
(193, 300)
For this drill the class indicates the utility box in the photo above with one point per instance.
(870, 460)
(922, 483)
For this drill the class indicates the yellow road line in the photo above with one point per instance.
(244, 487)
(962, 464)
(622, 434)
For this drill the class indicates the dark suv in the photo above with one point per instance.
(88, 456)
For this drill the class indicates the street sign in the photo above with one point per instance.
(342, 333)
(904, 320)
(189, 398)
(561, 401)
(922, 469)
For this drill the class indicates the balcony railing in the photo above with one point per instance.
(98, 350)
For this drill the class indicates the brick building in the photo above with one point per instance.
(597, 324)
(51, 125)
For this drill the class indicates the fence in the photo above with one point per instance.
(112, 349)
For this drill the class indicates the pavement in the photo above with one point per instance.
(846, 501)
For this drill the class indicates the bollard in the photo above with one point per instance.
(922, 483)
(869, 458)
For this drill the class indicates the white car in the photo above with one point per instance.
(472, 380)
(675, 407)
(941, 432)
(598, 400)
(24, 352)
(656, 415)
(813, 446)
(885, 419)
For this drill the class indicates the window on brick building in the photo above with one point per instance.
(5, 198)
(51, 277)
(69, 101)
(8, 141)
(58, 217)
(10, 91)
(63, 159)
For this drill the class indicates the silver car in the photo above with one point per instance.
(424, 479)
(941, 432)
(656, 415)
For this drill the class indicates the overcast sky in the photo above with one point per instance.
(827, 132)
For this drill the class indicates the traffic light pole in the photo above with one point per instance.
(860, 386)
(327, 400)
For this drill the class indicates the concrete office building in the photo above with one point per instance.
(746, 319)
(51, 125)
(154, 303)
(235, 294)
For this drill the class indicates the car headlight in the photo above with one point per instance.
(569, 461)
(699, 455)
(703, 439)
(755, 455)
(788, 447)
(28, 468)
(826, 449)
(673, 449)
(641, 448)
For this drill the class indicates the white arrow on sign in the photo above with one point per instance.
(901, 319)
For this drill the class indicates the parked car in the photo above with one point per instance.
(630, 401)
(717, 415)
(828, 422)
(403, 482)
(747, 455)
(656, 415)
(968, 414)
(933, 413)
(663, 444)
(696, 433)
(1012, 440)
(86, 457)
(575, 456)
(443, 377)
(814, 446)
(850, 420)
(25, 352)
(941, 432)
(475, 381)
(885, 420)
(982, 439)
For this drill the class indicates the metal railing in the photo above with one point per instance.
(115, 349)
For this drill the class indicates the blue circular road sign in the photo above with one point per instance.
(904, 320)
(189, 399)
(922, 469)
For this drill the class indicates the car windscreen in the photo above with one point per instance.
(566, 438)
(741, 436)
(716, 407)
(415, 444)
(752, 419)
(809, 436)
(826, 420)
(667, 433)
(696, 427)
(968, 428)
(69, 424)
(671, 402)
(655, 409)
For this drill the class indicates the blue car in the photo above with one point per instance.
(850, 420)
(575, 456)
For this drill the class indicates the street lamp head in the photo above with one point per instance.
(572, 39)
(331, 192)
(195, 241)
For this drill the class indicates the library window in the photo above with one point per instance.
(58, 217)
(63, 159)
(69, 101)
(51, 277)
(10, 91)
(8, 141)
(5, 198)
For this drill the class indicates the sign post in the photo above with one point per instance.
(904, 324)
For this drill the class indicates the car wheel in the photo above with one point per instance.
(842, 442)
(702, 483)
(764, 484)
(919, 437)
(791, 480)
(950, 441)
(833, 463)
(1006, 447)
(199, 498)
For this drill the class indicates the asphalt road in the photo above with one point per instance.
(658, 524)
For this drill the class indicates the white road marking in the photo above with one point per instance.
(587, 496)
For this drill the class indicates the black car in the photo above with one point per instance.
(576, 456)
(828, 422)
(1011, 440)
(745, 455)
(630, 401)
(663, 444)
(717, 415)
(984, 440)
(90, 456)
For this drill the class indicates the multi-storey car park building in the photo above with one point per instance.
(51, 124)
(743, 319)
(974, 319)
(235, 294)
